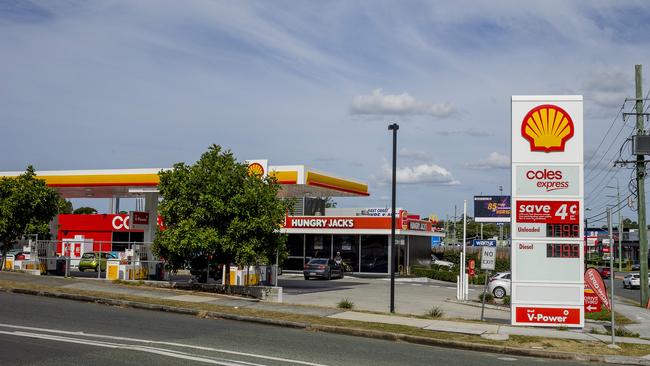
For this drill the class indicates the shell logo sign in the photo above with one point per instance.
(256, 169)
(547, 128)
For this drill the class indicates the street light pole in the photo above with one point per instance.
(393, 127)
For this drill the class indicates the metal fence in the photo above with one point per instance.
(105, 259)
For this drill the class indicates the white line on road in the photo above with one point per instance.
(180, 345)
(153, 350)
(416, 284)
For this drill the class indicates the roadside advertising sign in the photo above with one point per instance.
(492, 208)
(595, 283)
(488, 258)
(484, 243)
(593, 304)
(547, 249)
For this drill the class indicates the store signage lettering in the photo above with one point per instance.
(322, 223)
(550, 180)
(417, 225)
(120, 223)
(547, 315)
(549, 212)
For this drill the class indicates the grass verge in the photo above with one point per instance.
(515, 342)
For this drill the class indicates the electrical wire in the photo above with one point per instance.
(606, 134)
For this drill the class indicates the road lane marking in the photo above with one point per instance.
(148, 341)
(153, 350)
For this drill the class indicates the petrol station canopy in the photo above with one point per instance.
(295, 181)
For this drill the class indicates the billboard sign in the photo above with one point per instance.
(547, 251)
(492, 208)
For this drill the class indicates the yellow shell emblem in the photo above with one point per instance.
(547, 128)
(256, 169)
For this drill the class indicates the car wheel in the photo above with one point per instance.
(624, 285)
(499, 292)
(306, 277)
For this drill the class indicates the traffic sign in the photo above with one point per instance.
(488, 258)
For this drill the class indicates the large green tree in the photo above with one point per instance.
(216, 208)
(85, 210)
(27, 205)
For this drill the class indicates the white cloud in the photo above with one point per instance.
(397, 104)
(431, 174)
(608, 89)
(494, 161)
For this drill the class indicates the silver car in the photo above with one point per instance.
(632, 280)
(499, 285)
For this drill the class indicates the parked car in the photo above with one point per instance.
(499, 285)
(91, 260)
(636, 267)
(605, 272)
(438, 262)
(632, 280)
(322, 267)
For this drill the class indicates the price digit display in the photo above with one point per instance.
(562, 230)
(563, 250)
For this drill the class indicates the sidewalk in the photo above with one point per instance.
(494, 331)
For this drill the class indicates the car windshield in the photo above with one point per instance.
(318, 261)
(637, 276)
(88, 256)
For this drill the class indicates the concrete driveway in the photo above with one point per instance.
(414, 296)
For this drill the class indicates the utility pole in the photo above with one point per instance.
(620, 229)
(611, 273)
(455, 210)
(393, 127)
(640, 184)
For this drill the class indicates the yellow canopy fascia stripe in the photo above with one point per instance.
(285, 177)
(101, 180)
(322, 180)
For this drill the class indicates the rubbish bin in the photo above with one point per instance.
(160, 272)
(60, 267)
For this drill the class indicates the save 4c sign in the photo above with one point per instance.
(547, 185)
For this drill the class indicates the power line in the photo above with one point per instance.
(605, 135)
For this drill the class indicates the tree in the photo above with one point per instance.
(215, 208)
(65, 207)
(329, 202)
(27, 205)
(85, 211)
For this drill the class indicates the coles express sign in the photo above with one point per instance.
(548, 212)
(550, 180)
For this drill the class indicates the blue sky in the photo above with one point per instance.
(130, 84)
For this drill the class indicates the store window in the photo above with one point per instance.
(374, 253)
(348, 246)
(318, 246)
(295, 247)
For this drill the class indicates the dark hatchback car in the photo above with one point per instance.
(323, 268)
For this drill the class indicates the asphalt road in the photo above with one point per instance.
(44, 331)
(631, 294)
